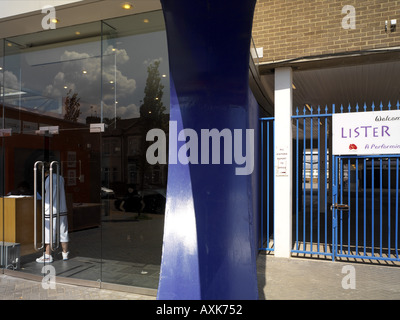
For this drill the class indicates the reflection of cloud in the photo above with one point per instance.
(11, 81)
(57, 88)
(131, 111)
(82, 74)
(121, 54)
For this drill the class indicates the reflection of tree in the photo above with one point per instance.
(72, 107)
(151, 111)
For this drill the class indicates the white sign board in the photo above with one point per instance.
(281, 161)
(366, 133)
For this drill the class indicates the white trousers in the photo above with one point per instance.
(63, 229)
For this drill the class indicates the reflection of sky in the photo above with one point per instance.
(47, 75)
(141, 51)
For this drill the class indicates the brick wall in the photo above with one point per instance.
(289, 29)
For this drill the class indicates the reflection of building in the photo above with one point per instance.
(124, 157)
(20, 156)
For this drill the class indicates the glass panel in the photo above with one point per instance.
(51, 87)
(135, 100)
(57, 85)
(2, 264)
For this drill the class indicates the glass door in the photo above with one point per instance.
(52, 88)
(2, 255)
(80, 101)
(135, 92)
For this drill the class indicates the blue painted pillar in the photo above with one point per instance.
(209, 248)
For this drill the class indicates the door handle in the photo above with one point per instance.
(339, 206)
(56, 245)
(38, 165)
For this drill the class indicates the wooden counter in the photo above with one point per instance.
(18, 222)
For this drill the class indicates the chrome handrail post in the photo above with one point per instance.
(57, 243)
(35, 168)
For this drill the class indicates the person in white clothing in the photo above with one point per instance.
(64, 239)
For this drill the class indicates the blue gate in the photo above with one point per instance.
(312, 220)
(366, 207)
(344, 206)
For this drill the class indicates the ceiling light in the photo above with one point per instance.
(84, 71)
(146, 20)
(55, 20)
(127, 6)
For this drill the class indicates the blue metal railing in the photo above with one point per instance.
(267, 184)
(367, 185)
(369, 228)
(312, 227)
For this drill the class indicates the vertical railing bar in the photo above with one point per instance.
(304, 182)
(397, 206)
(325, 181)
(365, 197)
(334, 195)
(319, 183)
(365, 206)
(349, 202)
(372, 204)
(341, 170)
(268, 184)
(311, 179)
(341, 201)
(262, 186)
(389, 203)
(334, 211)
(273, 166)
(297, 184)
(356, 200)
(380, 205)
(357, 206)
(270, 154)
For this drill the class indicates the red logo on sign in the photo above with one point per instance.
(353, 147)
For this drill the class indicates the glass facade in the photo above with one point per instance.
(82, 98)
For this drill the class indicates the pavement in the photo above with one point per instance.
(279, 279)
(13, 288)
(312, 279)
